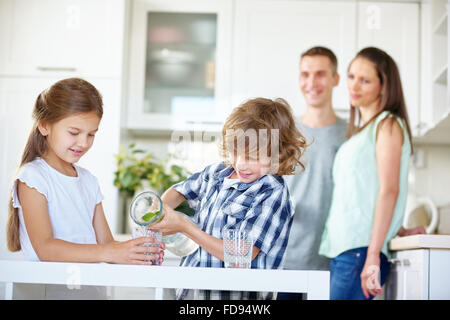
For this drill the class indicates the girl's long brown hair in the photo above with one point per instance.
(392, 98)
(65, 98)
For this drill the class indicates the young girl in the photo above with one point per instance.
(56, 209)
(370, 179)
(246, 191)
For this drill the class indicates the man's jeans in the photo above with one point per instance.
(345, 272)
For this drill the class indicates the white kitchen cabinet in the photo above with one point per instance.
(49, 38)
(408, 279)
(267, 39)
(270, 37)
(179, 65)
(394, 28)
(439, 59)
(435, 105)
(17, 97)
(419, 274)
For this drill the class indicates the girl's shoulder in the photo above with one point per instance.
(34, 169)
(34, 174)
(85, 174)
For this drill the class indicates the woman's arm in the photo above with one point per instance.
(48, 248)
(388, 152)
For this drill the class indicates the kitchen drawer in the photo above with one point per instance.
(408, 279)
(420, 274)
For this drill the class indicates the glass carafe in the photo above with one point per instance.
(147, 209)
(179, 244)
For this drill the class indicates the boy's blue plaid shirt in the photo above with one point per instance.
(262, 207)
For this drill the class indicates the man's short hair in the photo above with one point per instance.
(322, 51)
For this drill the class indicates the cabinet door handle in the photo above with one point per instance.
(204, 122)
(395, 261)
(43, 68)
(406, 262)
(400, 262)
(421, 125)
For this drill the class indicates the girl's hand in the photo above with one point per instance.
(173, 222)
(161, 252)
(133, 251)
(370, 276)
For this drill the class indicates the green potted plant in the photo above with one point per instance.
(138, 169)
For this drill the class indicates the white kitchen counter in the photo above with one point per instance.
(420, 266)
(314, 283)
(420, 241)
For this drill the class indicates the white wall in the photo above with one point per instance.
(193, 155)
(433, 179)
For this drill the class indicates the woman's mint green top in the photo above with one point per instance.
(356, 185)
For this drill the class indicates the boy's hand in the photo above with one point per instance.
(172, 222)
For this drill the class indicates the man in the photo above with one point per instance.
(311, 190)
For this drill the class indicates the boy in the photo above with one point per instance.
(246, 191)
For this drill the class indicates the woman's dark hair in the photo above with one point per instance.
(392, 98)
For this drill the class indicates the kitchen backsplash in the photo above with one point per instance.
(430, 173)
(193, 154)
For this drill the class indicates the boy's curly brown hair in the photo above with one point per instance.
(274, 118)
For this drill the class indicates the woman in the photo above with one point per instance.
(370, 179)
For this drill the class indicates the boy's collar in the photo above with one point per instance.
(228, 170)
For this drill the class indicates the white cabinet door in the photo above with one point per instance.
(394, 28)
(17, 97)
(6, 9)
(270, 37)
(435, 51)
(51, 37)
(408, 279)
(439, 279)
(183, 113)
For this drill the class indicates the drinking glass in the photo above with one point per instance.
(146, 209)
(142, 231)
(237, 248)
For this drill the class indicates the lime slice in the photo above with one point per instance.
(150, 215)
